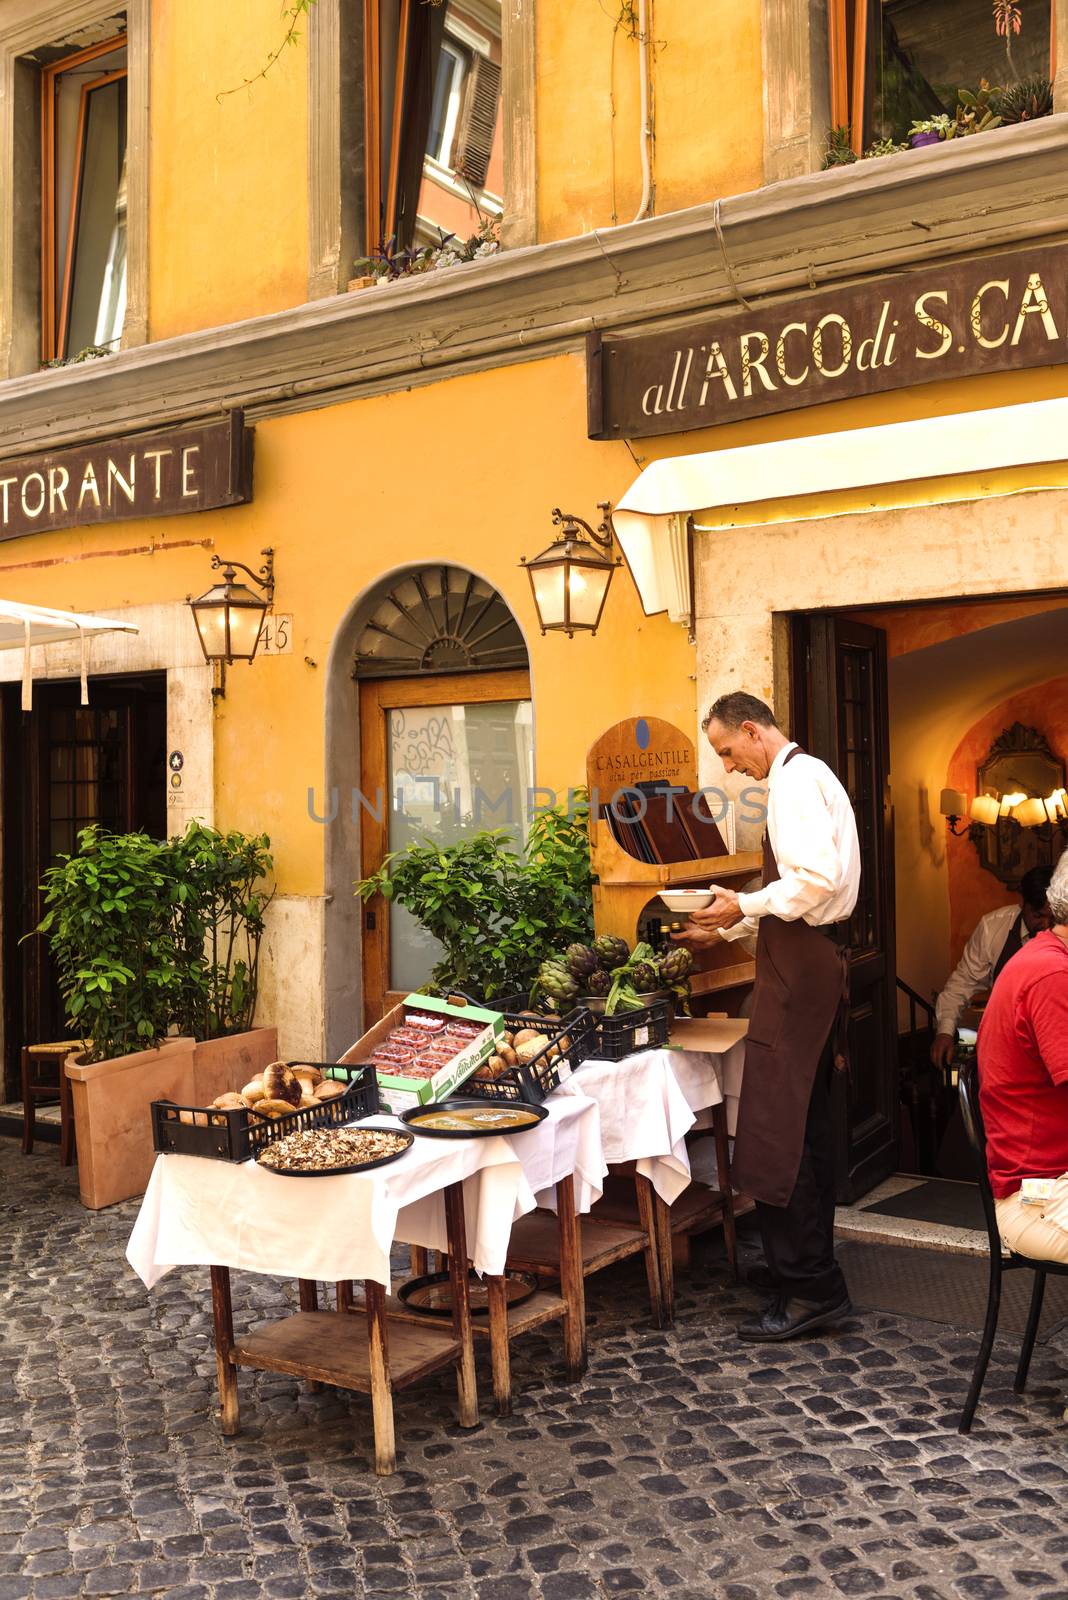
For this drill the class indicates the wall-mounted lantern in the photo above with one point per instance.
(570, 579)
(229, 617)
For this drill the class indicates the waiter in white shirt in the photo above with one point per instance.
(783, 1153)
(995, 941)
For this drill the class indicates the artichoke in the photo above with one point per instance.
(554, 986)
(580, 960)
(676, 965)
(644, 977)
(610, 951)
(598, 982)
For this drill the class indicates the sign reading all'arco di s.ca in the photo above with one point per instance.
(195, 468)
(954, 320)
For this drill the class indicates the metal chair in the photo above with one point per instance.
(1001, 1260)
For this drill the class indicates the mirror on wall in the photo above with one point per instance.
(1019, 762)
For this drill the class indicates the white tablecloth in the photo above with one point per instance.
(198, 1212)
(651, 1100)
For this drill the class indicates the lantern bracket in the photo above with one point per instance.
(602, 535)
(263, 579)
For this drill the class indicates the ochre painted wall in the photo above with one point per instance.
(465, 472)
(708, 143)
(228, 203)
(973, 891)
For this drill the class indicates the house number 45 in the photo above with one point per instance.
(277, 636)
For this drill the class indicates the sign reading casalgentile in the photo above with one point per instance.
(196, 468)
(967, 317)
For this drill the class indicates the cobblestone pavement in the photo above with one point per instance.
(684, 1466)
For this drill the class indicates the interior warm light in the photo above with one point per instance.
(986, 808)
(1031, 812)
(953, 803)
(1009, 802)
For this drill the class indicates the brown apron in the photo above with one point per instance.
(800, 994)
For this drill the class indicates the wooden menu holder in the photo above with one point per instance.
(647, 751)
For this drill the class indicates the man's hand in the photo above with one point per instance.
(942, 1050)
(703, 927)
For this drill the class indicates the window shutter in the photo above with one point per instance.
(478, 120)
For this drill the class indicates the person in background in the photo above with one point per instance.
(996, 939)
(1023, 1085)
(784, 1153)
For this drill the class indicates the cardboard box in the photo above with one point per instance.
(398, 1093)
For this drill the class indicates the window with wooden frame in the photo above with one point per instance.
(896, 62)
(432, 139)
(83, 199)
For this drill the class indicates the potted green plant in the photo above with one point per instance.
(929, 130)
(156, 946)
(496, 911)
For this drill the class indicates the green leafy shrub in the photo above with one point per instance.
(220, 899)
(498, 913)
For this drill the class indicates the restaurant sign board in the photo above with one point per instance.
(195, 468)
(937, 321)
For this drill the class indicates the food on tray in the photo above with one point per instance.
(274, 1108)
(253, 1090)
(228, 1102)
(465, 1118)
(425, 1022)
(608, 971)
(280, 1083)
(329, 1089)
(328, 1149)
(308, 1074)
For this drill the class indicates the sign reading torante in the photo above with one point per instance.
(197, 468)
(952, 321)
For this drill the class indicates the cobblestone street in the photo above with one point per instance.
(685, 1465)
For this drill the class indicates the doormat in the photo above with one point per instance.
(936, 1287)
(954, 1205)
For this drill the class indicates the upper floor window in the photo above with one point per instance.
(83, 199)
(433, 143)
(896, 62)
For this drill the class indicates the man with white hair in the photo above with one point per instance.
(1023, 1087)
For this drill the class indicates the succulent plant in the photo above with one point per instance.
(611, 951)
(1023, 102)
(580, 960)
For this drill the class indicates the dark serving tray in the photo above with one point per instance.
(430, 1295)
(487, 1108)
(340, 1172)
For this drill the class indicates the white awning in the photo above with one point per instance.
(23, 626)
(651, 518)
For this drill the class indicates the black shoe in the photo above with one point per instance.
(762, 1278)
(789, 1319)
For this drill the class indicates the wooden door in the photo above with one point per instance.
(439, 756)
(840, 714)
(67, 766)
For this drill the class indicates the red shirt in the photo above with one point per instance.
(1023, 1067)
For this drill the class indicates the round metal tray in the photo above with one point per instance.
(486, 1108)
(431, 1295)
(340, 1172)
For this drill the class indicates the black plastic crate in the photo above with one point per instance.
(241, 1134)
(535, 1080)
(621, 1035)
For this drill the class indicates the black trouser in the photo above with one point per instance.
(799, 1237)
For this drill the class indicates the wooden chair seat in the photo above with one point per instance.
(44, 1081)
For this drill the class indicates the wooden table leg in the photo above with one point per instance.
(466, 1386)
(223, 1318)
(572, 1279)
(381, 1387)
(344, 1294)
(500, 1354)
(309, 1301)
(647, 1216)
(723, 1167)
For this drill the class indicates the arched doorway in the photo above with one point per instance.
(441, 728)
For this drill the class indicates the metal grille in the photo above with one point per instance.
(442, 620)
(858, 720)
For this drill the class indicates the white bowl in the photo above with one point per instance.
(687, 899)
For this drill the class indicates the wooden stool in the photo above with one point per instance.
(43, 1078)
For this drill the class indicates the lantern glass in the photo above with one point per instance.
(587, 584)
(229, 621)
(548, 585)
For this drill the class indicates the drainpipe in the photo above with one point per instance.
(646, 113)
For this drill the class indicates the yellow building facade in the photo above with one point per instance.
(661, 169)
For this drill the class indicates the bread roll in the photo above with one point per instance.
(280, 1084)
(253, 1090)
(329, 1089)
(275, 1108)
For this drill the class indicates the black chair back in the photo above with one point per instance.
(968, 1090)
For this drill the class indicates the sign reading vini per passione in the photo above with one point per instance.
(956, 320)
(195, 468)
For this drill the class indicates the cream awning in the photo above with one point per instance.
(651, 518)
(23, 626)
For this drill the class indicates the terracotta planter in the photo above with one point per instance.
(112, 1121)
(223, 1064)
